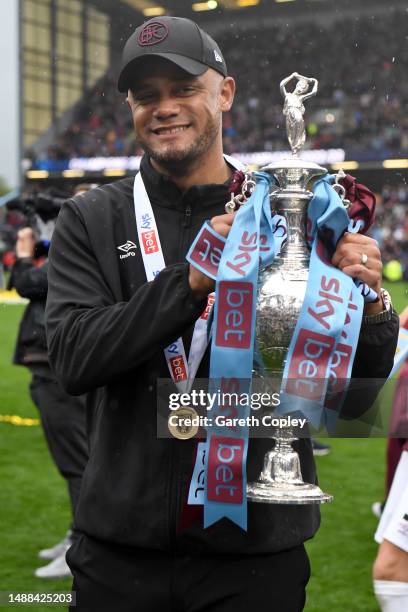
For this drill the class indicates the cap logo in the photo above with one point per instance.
(217, 56)
(153, 33)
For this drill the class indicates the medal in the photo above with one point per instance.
(183, 423)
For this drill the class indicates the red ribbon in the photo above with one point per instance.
(236, 182)
(362, 201)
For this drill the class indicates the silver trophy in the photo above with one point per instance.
(281, 291)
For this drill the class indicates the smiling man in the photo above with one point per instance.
(177, 105)
(184, 130)
(114, 326)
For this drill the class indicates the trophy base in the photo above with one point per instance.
(287, 493)
(281, 481)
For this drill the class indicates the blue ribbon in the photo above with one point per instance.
(329, 322)
(232, 349)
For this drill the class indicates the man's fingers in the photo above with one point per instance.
(223, 223)
(353, 260)
(226, 219)
(350, 238)
(348, 257)
(352, 250)
(221, 228)
(354, 245)
(359, 257)
(371, 277)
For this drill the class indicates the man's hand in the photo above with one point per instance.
(201, 285)
(223, 223)
(25, 244)
(348, 257)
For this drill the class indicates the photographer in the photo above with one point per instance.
(62, 416)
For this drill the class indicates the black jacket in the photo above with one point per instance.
(31, 283)
(107, 328)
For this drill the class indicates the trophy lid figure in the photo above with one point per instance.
(294, 110)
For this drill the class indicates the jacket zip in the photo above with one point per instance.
(175, 459)
(171, 533)
(187, 216)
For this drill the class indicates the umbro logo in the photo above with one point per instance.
(127, 248)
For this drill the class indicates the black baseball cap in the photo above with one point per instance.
(176, 39)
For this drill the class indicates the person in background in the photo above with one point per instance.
(62, 416)
(395, 444)
(390, 570)
(319, 448)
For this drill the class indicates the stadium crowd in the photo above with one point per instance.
(391, 229)
(360, 106)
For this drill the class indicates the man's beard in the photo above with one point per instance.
(178, 159)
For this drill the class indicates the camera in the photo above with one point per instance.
(40, 209)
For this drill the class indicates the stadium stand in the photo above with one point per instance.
(360, 107)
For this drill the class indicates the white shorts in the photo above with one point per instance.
(393, 525)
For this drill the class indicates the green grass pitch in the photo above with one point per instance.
(34, 510)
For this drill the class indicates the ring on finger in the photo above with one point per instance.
(364, 258)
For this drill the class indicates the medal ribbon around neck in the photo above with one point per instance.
(181, 371)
